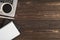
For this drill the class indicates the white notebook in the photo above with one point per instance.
(9, 32)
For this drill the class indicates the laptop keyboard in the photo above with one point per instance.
(10, 1)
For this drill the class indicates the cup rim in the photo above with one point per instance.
(3, 5)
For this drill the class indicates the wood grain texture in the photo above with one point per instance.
(38, 19)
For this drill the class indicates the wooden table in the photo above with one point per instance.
(38, 19)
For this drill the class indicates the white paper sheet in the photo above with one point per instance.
(9, 32)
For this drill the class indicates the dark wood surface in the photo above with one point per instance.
(38, 19)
